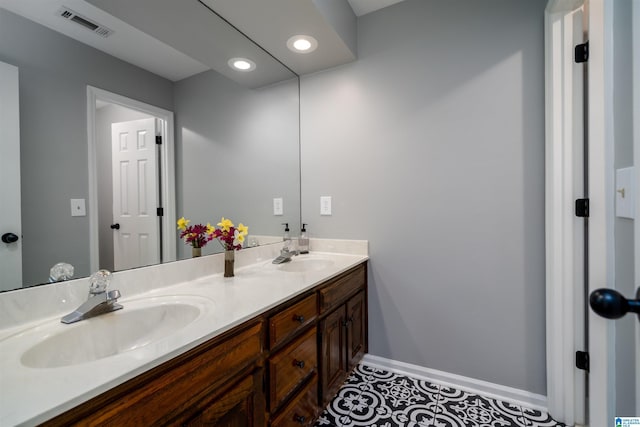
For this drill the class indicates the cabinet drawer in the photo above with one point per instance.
(341, 288)
(291, 366)
(303, 408)
(292, 319)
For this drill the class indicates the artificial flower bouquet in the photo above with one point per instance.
(198, 235)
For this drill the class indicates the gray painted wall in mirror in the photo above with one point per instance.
(432, 146)
(236, 154)
(54, 73)
(240, 145)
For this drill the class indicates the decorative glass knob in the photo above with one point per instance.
(61, 271)
(99, 281)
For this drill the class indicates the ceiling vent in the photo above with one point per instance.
(87, 23)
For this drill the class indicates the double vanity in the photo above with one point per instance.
(270, 346)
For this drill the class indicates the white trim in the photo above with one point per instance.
(635, 31)
(167, 164)
(472, 385)
(564, 235)
(602, 393)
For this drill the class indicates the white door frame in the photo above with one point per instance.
(564, 232)
(635, 30)
(602, 390)
(166, 163)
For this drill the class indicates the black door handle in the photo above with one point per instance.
(9, 238)
(115, 226)
(612, 305)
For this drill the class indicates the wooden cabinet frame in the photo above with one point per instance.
(230, 379)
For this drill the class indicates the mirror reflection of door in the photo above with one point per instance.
(128, 187)
(136, 239)
(10, 220)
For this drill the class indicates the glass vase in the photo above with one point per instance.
(196, 252)
(229, 260)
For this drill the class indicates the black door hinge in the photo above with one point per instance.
(581, 52)
(158, 140)
(582, 208)
(160, 211)
(582, 360)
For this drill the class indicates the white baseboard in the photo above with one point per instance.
(472, 385)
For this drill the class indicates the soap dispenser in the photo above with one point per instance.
(286, 238)
(303, 241)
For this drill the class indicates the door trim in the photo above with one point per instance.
(166, 163)
(564, 232)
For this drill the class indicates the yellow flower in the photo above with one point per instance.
(210, 229)
(243, 229)
(182, 223)
(225, 224)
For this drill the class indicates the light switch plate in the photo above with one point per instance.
(278, 206)
(625, 193)
(78, 207)
(325, 205)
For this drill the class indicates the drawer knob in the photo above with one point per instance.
(298, 363)
(298, 318)
(299, 419)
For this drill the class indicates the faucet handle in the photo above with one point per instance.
(113, 295)
(99, 281)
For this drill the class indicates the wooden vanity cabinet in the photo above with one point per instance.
(278, 369)
(235, 406)
(342, 330)
(220, 379)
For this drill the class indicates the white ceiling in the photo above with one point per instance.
(177, 39)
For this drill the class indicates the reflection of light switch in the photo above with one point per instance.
(325, 205)
(625, 194)
(278, 208)
(78, 208)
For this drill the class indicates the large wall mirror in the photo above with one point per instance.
(92, 71)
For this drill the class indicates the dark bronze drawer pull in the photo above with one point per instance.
(298, 318)
(298, 363)
(299, 419)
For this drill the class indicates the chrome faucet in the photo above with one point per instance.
(285, 256)
(100, 300)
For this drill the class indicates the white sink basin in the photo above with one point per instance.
(138, 324)
(301, 263)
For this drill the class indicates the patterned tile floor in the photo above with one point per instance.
(375, 398)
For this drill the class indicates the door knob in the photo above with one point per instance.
(9, 238)
(115, 226)
(612, 305)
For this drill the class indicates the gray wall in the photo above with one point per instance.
(624, 243)
(54, 73)
(105, 117)
(432, 146)
(236, 149)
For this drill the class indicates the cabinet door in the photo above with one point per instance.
(334, 366)
(239, 406)
(356, 329)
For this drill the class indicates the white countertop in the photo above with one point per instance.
(29, 396)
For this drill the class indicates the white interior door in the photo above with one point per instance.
(10, 220)
(136, 234)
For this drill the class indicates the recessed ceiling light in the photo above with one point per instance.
(302, 44)
(242, 64)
